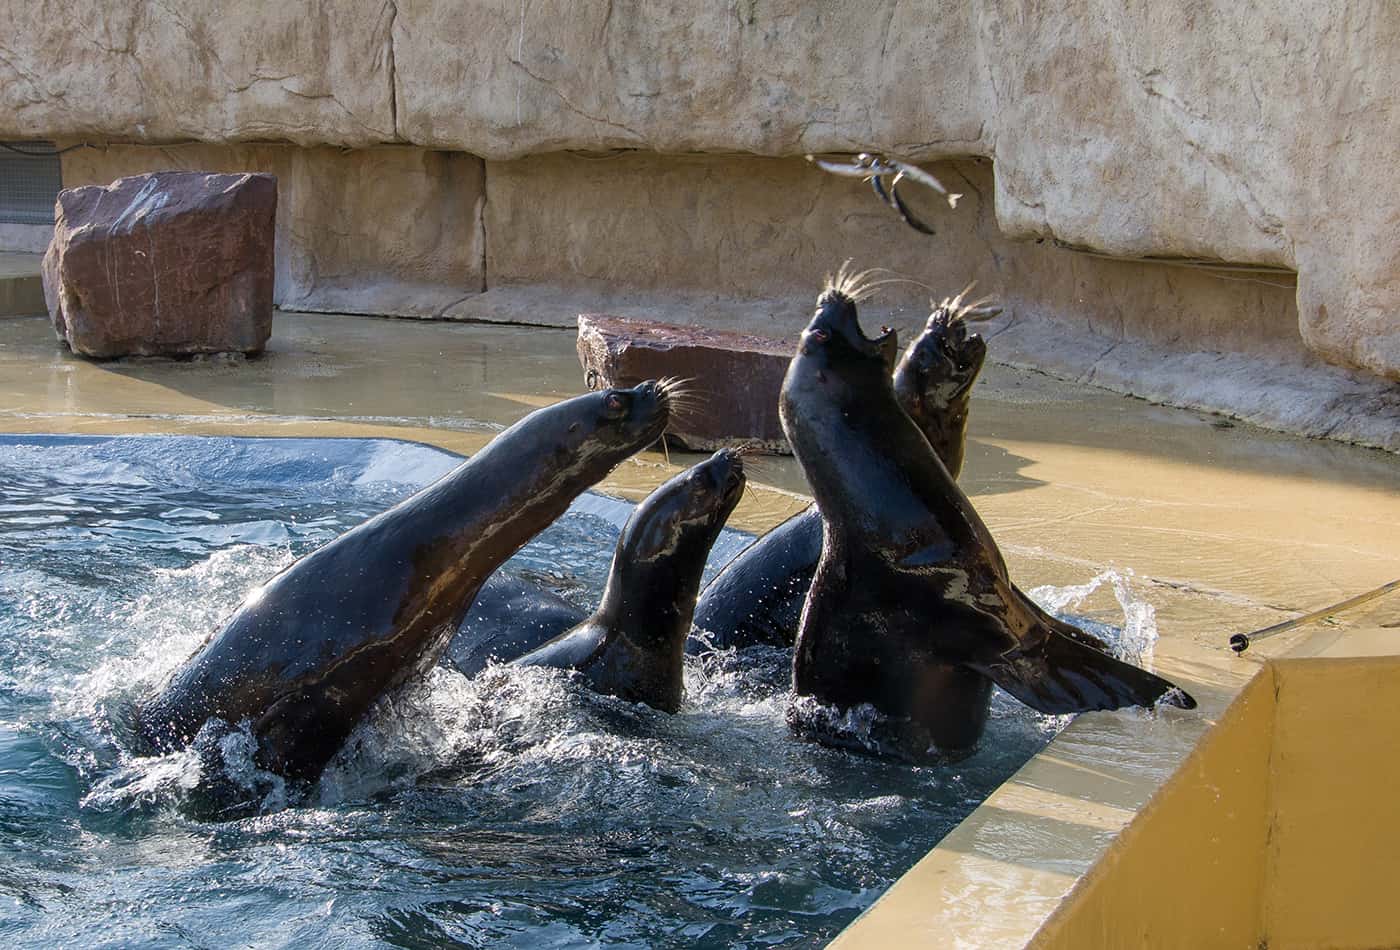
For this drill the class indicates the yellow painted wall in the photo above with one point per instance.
(1188, 871)
(1334, 853)
(1281, 830)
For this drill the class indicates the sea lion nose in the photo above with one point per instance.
(654, 393)
(724, 469)
(731, 473)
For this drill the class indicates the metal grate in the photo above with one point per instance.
(29, 182)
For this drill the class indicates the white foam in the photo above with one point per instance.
(1137, 635)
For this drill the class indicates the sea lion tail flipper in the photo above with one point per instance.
(1057, 625)
(1064, 675)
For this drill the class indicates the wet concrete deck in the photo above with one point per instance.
(1223, 528)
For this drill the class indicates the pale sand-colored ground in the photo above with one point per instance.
(1225, 528)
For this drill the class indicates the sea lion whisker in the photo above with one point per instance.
(749, 490)
(969, 310)
(974, 306)
(672, 382)
(895, 277)
(856, 286)
(834, 282)
(679, 388)
(853, 284)
(680, 398)
(953, 303)
(959, 308)
(883, 281)
(686, 401)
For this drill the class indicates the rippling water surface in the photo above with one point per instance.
(513, 809)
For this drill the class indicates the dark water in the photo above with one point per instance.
(513, 809)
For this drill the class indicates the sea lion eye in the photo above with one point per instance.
(819, 335)
(615, 404)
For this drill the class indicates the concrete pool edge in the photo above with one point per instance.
(1012, 864)
(1041, 864)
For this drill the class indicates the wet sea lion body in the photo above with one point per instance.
(758, 597)
(633, 645)
(510, 617)
(911, 610)
(305, 656)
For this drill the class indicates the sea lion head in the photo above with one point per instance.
(649, 601)
(688, 510)
(836, 371)
(588, 435)
(834, 336)
(942, 364)
(618, 416)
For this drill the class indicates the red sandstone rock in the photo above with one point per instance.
(734, 377)
(164, 264)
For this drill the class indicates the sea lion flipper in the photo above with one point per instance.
(1058, 625)
(1063, 675)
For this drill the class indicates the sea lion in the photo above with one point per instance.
(758, 597)
(307, 654)
(911, 610)
(511, 616)
(633, 646)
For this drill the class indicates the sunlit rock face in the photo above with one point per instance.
(387, 231)
(732, 379)
(164, 264)
(1256, 133)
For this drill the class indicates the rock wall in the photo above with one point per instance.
(770, 228)
(1250, 132)
(422, 233)
(389, 230)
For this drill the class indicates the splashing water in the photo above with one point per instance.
(516, 807)
(1134, 639)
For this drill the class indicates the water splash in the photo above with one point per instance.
(1133, 639)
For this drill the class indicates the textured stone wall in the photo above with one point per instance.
(411, 231)
(1252, 132)
(770, 228)
(386, 231)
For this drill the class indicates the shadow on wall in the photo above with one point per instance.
(408, 231)
(770, 228)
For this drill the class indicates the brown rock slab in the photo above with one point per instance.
(163, 264)
(733, 378)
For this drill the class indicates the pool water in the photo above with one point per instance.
(516, 808)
